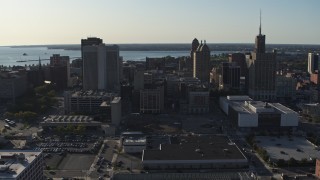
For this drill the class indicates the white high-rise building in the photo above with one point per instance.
(101, 67)
(313, 62)
(21, 165)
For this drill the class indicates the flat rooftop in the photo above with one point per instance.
(251, 107)
(286, 148)
(66, 118)
(93, 94)
(13, 162)
(196, 148)
(134, 140)
(56, 120)
(194, 175)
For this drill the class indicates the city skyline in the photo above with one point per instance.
(141, 21)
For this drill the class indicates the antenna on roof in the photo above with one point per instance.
(260, 24)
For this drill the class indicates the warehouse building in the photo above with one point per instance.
(248, 114)
(195, 152)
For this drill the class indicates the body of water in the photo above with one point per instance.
(30, 55)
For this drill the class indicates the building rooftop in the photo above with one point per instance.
(62, 120)
(196, 148)
(116, 100)
(67, 118)
(252, 107)
(92, 93)
(13, 162)
(134, 140)
(183, 175)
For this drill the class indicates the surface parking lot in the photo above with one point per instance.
(76, 162)
(77, 144)
(288, 147)
(201, 125)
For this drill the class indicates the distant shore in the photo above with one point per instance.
(186, 47)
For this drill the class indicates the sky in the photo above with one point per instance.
(33, 22)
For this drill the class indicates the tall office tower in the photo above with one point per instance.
(60, 71)
(113, 64)
(230, 76)
(201, 58)
(262, 71)
(240, 60)
(100, 65)
(194, 46)
(91, 41)
(313, 63)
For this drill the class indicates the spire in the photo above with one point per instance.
(260, 24)
(204, 41)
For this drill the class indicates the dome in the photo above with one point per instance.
(195, 44)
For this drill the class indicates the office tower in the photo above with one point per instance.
(240, 60)
(59, 71)
(194, 46)
(230, 76)
(101, 65)
(262, 71)
(113, 64)
(91, 41)
(313, 62)
(152, 100)
(201, 58)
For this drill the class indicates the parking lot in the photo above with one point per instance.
(16, 128)
(70, 144)
(76, 162)
(201, 125)
(285, 148)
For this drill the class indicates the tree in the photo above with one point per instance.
(80, 129)
(8, 115)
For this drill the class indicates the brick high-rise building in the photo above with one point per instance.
(262, 71)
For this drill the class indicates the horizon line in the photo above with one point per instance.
(158, 44)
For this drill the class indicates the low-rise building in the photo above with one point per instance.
(198, 102)
(259, 115)
(86, 101)
(21, 165)
(317, 169)
(108, 105)
(133, 142)
(65, 120)
(195, 153)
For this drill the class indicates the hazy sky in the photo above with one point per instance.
(158, 21)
